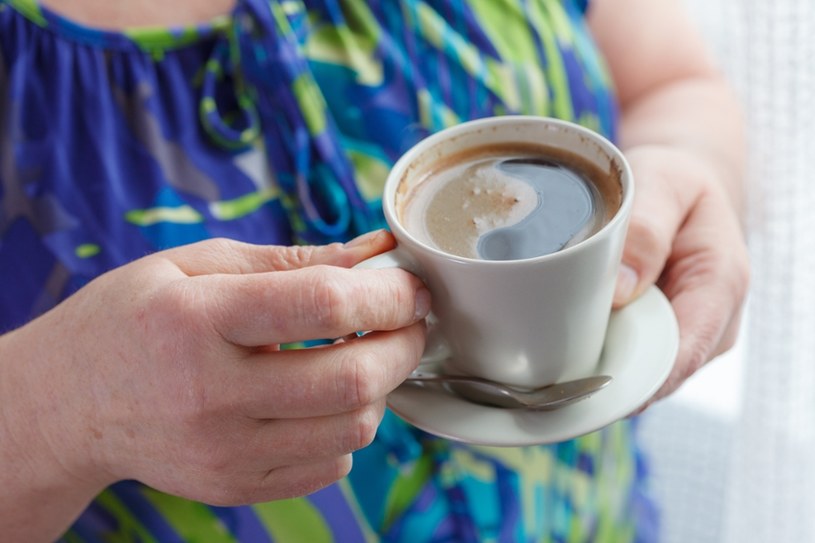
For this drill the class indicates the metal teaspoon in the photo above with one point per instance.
(488, 392)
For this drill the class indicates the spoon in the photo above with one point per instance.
(488, 392)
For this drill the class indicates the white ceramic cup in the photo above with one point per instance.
(528, 322)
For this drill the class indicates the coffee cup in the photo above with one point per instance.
(516, 224)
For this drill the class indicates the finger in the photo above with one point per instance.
(706, 282)
(280, 482)
(707, 330)
(233, 257)
(303, 441)
(708, 327)
(660, 208)
(299, 480)
(317, 302)
(334, 379)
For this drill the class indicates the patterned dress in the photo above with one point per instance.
(277, 124)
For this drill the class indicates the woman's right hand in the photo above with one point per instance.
(168, 371)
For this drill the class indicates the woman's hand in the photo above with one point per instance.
(682, 131)
(168, 371)
(685, 236)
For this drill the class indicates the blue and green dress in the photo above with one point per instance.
(277, 124)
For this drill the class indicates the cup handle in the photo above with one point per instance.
(436, 347)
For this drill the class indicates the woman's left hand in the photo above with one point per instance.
(681, 129)
(686, 237)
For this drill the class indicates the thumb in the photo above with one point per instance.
(234, 257)
(647, 249)
(658, 213)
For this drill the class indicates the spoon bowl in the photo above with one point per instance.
(486, 392)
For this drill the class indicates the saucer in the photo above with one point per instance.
(639, 352)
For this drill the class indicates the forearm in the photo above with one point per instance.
(670, 91)
(41, 493)
(698, 115)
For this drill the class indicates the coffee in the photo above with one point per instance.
(509, 202)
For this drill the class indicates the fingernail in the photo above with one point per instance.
(422, 303)
(627, 280)
(363, 239)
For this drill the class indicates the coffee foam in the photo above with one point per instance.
(490, 198)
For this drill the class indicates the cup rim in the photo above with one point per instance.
(402, 164)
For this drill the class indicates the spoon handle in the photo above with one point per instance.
(563, 393)
(431, 377)
(489, 392)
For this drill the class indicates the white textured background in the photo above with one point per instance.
(733, 454)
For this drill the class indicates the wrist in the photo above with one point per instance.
(686, 169)
(45, 471)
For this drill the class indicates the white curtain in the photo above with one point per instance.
(733, 454)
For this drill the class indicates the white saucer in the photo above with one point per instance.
(639, 353)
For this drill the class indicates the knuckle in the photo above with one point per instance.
(177, 309)
(219, 245)
(298, 256)
(342, 467)
(400, 306)
(329, 300)
(366, 424)
(648, 238)
(358, 381)
(211, 463)
(221, 253)
(417, 342)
